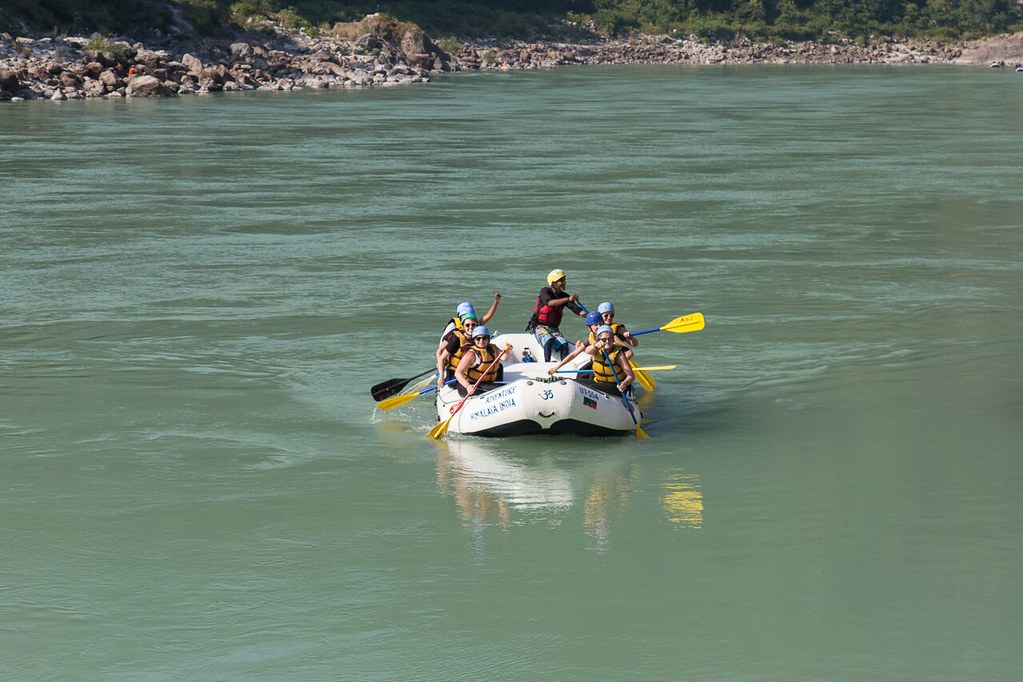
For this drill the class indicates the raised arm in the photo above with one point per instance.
(493, 309)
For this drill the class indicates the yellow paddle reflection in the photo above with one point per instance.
(683, 499)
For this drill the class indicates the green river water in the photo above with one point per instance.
(199, 292)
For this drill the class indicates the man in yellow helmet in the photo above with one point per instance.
(550, 306)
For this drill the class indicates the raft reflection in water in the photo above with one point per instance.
(494, 488)
(484, 482)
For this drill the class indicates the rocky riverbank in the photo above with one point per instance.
(377, 51)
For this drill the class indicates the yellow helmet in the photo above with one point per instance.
(554, 275)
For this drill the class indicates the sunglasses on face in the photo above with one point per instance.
(481, 338)
(605, 339)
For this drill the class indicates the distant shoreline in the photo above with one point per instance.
(69, 67)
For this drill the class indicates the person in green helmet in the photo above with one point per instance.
(453, 347)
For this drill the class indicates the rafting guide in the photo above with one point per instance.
(550, 307)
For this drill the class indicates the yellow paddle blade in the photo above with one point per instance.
(640, 433)
(437, 432)
(692, 322)
(644, 379)
(655, 368)
(397, 401)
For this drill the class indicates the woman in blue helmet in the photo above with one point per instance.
(607, 316)
(477, 363)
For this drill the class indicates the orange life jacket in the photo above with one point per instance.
(483, 368)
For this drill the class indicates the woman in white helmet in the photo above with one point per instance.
(466, 308)
(547, 313)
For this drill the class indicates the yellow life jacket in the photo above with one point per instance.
(602, 372)
(456, 357)
(486, 358)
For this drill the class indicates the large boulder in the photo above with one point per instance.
(193, 64)
(145, 86)
(154, 59)
(9, 80)
(417, 49)
(240, 50)
(110, 79)
(94, 88)
(407, 40)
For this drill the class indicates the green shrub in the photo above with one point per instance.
(104, 44)
(289, 18)
(449, 44)
(251, 11)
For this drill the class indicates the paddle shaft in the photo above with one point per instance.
(644, 369)
(625, 398)
(395, 401)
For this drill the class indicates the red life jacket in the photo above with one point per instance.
(545, 314)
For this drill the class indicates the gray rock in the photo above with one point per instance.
(240, 50)
(193, 64)
(94, 88)
(9, 80)
(145, 86)
(109, 79)
(70, 80)
(151, 58)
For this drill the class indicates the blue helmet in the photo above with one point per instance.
(482, 331)
(463, 308)
(605, 307)
(600, 330)
(593, 317)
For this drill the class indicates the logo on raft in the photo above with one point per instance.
(492, 409)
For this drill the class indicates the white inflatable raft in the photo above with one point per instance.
(530, 401)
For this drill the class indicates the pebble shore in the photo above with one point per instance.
(365, 54)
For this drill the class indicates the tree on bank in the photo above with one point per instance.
(820, 20)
